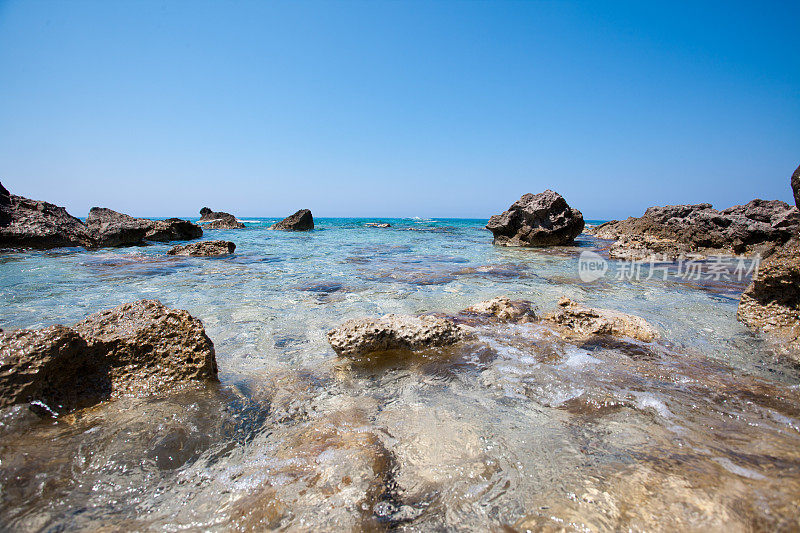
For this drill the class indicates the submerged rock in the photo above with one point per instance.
(173, 229)
(772, 301)
(136, 348)
(543, 219)
(362, 336)
(218, 220)
(26, 223)
(504, 309)
(378, 225)
(300, 221)
(575, 319)
(110, 228)
(204, 248)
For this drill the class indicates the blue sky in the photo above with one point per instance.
(397, 108)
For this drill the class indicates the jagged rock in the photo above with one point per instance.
(363, 336)
(701, 230)
(218, 220)
(26, 223)
(173, 229)
(504, 309)
(543, 219)
(110, 228)
(300, 221)
(796, 187)
(574, 319)
(136, 348)
(772, 301)
(204, 248)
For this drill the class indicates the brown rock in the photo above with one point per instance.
(204, 248)
(796, 187)
(575, 319)
(110, 228)
(218, 220)
(300, 221)
(504, 309)
(173, 229)
(543, 219)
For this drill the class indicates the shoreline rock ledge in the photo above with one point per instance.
(300, 221)
(135, 349)
(543, 219)
(218, 220)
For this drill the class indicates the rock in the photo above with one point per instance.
(218, 220)
(40, 225)
(772, 301)
(110, 228)
(796, 187)
(574, 319)
(136, 348)
(680, 230)
(504, 309)
(543, 219)
(300, 221)
(204, 248)
(378, 225)
(173, 229)
(364, 336)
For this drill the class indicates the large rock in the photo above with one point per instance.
(676, 230)
(173, 229)
(574, 319)
(772, 301)
(204, 249)
(218, 220)
(504, 309)
(300, 221)
(110, 228)
(796, 187)
(136, 348)
(543, 219)
(363, 336)
(40, 225)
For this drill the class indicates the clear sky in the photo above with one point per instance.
(397, 109)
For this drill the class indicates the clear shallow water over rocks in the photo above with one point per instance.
(699, 429)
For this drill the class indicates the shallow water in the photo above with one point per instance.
(699, 430)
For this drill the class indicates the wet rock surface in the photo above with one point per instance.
(136, 348)
(543, 219)
(300, 221)
(378, 225)
(203, 249)
(575, 319)
(110, 228)
(504, 309)
(680, 230)
(26, 223)
(218, 220)
(772, 301)
(361, 337)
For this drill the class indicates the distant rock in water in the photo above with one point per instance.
(575, 319)
(378, 225)
(300, 221)
(772, 301)
(676, 230)
(135, 349)
(364, 336)
(796, 187)
(173, 229)
(204, 249)
(40, 225)
(218, 220)
(110, 228)
(543, 219)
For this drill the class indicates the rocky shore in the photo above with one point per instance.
(543, 219)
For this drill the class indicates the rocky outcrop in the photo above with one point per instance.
(40, 225)
(573, 319)
(134, 349)
(218, 220)
(378, 225)
(300, 221)
(543, 219)
(364, 336)
(504, 309)
(796, 187)
(110, 228)
(772, 301)
(173, 229)
(204, 249)
(679, 230)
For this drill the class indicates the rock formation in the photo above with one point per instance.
(218, 220)
(204, 248)
(574, 319)
(136, 348)
(378, 225)
(543, 219)
(796, 187)
(504, 309)
(40, 225)
(360, 337)
(173, 229)
(300, 221)
(109, 228)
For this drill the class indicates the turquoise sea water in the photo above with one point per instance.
(519, 423)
